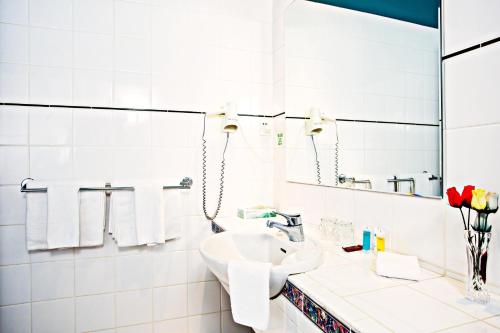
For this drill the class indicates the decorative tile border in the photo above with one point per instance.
(324, 320)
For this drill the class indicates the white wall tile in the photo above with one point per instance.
(134, 272)
(12, 206)
(94, 276)
(132, 18)
(93, 15)
(53, 316)
(14, 43)
(134, 307)
(94, 51)
(93, 127)
(12, 245)
(470, 85)
(58, 120)
(417, 218)
(174, 325)
(229, 326)
(203, 297)
(15, 284)
(198, 270)
(50, 47)
(51, 163)
(92, 87)
(134, 163)
(132, 54)
(15, 318)
(466, 24)
(51, 13)
(206, 323)
(170, 302)
(132, 90)
(170, 268)
(14, 11)
(93, 163)
(13, 125)
(145, 328)
(131, 129)
(52, 280)
(94, 312)
(14, 83)
(50, 85)
(49, 256)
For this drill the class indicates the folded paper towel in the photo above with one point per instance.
(398, 266)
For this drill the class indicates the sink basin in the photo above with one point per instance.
(285, 256)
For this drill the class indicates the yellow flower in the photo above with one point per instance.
(479, 199)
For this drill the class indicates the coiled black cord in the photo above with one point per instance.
(204, 174)
(318, 169)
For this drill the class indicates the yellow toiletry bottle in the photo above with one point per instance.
(380, 241)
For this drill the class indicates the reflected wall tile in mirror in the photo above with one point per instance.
(385, 74)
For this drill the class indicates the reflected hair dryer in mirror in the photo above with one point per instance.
(314, 123)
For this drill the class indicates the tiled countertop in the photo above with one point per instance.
(347, 287)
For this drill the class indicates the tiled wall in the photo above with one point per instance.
(418, 226)
(167, 54)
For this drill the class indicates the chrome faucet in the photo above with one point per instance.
(293, 227)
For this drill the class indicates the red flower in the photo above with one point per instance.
(454, 198)
(467, 195)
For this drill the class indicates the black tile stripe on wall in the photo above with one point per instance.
(129, 109)
(471, 48)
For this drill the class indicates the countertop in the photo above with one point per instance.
(347, 286)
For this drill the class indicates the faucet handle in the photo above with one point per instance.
(291, 219)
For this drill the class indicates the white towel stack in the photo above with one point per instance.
(139, 217)
(36, 220)
(63, 216)
(92, 217)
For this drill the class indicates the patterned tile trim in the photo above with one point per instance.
(325, 321)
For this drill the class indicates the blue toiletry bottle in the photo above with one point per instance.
(366, 239)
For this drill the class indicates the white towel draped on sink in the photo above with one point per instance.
(249, 292)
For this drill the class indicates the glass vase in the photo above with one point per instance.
(477, 253)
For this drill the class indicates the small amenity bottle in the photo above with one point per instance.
(366, 239)
(380, 241)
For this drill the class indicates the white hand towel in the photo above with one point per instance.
(149, 213)
(62, 226)
(398, 266)
(122, 218)
(175, 207)
(36, 220)
(249, 292)
(92, 217)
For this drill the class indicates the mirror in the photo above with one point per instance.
(362, 96)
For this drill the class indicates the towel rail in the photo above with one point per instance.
(185, 183)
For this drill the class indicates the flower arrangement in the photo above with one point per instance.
(480, 200)
(477, 235)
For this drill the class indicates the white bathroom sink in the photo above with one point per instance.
(285, 256)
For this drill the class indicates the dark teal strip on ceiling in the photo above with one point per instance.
(423, 12)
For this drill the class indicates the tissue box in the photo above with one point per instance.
(256, 212)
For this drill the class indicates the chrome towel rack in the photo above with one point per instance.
(185, 183)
